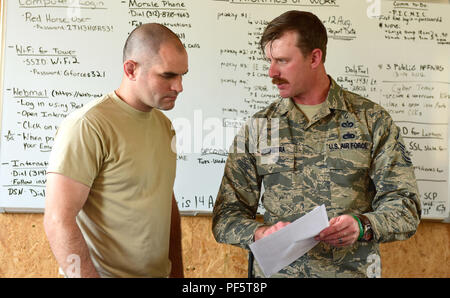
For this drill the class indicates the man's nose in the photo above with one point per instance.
(177, 85)
(273, 71)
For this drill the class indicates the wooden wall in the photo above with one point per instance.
(24, 251)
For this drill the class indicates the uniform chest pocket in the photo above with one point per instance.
(277, 166)
(348, 167)
(352, 155)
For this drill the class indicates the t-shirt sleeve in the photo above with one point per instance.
(77, 152)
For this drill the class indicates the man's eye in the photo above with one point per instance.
(168, 75)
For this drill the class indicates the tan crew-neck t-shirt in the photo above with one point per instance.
(126, 158)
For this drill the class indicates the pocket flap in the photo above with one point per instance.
(275, 159)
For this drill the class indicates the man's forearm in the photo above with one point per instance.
(70, 249)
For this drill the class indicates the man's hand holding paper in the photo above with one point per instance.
(343, 231)
(288, 242)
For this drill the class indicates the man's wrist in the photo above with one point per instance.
(367, 226)
(361, 229)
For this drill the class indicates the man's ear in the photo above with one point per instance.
(130, 69)
(316, 58)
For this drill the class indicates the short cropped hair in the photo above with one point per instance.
(148, 37)
(312, 34)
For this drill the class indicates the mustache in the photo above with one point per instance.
(279, 81)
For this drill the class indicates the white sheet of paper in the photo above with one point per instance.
(279, 249)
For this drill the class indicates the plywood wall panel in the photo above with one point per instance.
(426, 254)
(24, 251)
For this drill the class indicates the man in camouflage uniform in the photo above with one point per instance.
(317, 145)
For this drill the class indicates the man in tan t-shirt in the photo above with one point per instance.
(110, 209)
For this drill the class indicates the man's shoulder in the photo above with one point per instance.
(275, 109)
(92, 112)
(91, 108)
(360, 103)
(376, 116)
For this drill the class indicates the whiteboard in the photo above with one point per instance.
(57, 56)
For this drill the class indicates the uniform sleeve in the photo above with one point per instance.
(77, 152)
(396, 205)
(237, 201)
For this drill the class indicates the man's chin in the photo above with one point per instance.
(167, 106)
(283, 91)
(284, 94)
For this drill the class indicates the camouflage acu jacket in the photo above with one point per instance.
(350, 157)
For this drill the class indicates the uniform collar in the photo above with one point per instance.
(335, 98)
